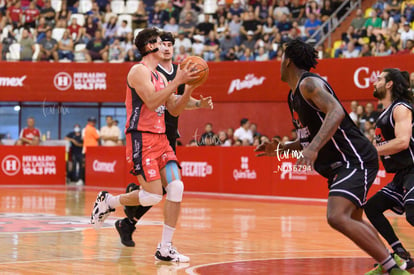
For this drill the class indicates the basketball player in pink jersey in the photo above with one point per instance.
(149, 154)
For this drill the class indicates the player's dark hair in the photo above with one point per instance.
(167, 36)
(400, 84)
(302, 54)
(144, 37)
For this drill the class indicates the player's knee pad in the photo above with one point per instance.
(147, 199)
(175, 191)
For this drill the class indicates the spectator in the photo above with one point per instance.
(312, 7)
(75, 30)
(409, 47)
(234, 28)
(48, 47)
(351, 51)
(231, 55)
(280, 9)
(9, 39)
(116, 52)
(187, 26)
(171, 26)
(128, 43)
(63, 16)
(262, 11)
(311, 25)
(211, 44)
(297, 11)
(394, 36)
(353, 114)
(110, 29)
(250, 24)
(358, 21)
(406, 34)
(198, 45)
(90, 29)
(168, 12)
(76, 173)
(227, 42)
(27, 47)
(269, 26)
(65, 47)
(140, 17)
(253, 129)
(48, 13)
(188, 12)
(29, 135)
(90, 135)
(221, 27)
(97, 48)
(247, 55)
(387, 21)
(243, 133)
(236, 9)
(31, 16)
(181, 55)
(123, 30)
(327, 10)
(182, 41)
(284, 26)
(41, 29)
(381, 49)
(262, 54)
(130, 56)
(223, 140)
(110, 134)
(155, 19)
(14, 15)
(208, 135)
(205, 27)
(250, 42)
(373, 21)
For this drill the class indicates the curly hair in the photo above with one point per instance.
(302, 54)
(400, 84)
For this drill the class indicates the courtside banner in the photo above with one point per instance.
(32, 165)
(228, 81)
(106, 166)
(229, 170)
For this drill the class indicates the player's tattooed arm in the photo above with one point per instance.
(315, 91)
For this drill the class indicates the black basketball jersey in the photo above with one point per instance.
(348, 145)
(384, 132)
(171, 122)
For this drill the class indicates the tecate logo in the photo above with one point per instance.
(196, 169)
(107, 167)
(12, 81)
(249, 81)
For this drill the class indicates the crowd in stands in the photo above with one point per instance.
(89, 30)
(384, 29)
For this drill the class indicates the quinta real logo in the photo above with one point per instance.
(244, 172)
(249, 81)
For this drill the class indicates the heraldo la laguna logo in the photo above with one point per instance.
(10, 165)
(80, 81)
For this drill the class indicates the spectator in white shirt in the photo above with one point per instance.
(123, 30)
(244, 133)
(351, 51)
(406, 33)
(110, 134)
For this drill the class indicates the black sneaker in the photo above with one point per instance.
(125, 229)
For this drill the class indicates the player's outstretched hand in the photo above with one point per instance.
(206, 102)
(268, 148)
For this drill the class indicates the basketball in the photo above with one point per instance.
(201, 66)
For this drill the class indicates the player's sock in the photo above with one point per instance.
(389, 263)
(398, 248)
(167, 234)
(113, 201)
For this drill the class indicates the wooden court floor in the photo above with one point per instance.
(45, 230)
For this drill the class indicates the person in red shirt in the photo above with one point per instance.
(29, 135)
(75, 29)
(31, 15)
(15, 15)
(149, 153)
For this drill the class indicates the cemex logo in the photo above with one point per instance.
(12, 81)
(10, 165)
(244, 172)
(62, 81)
